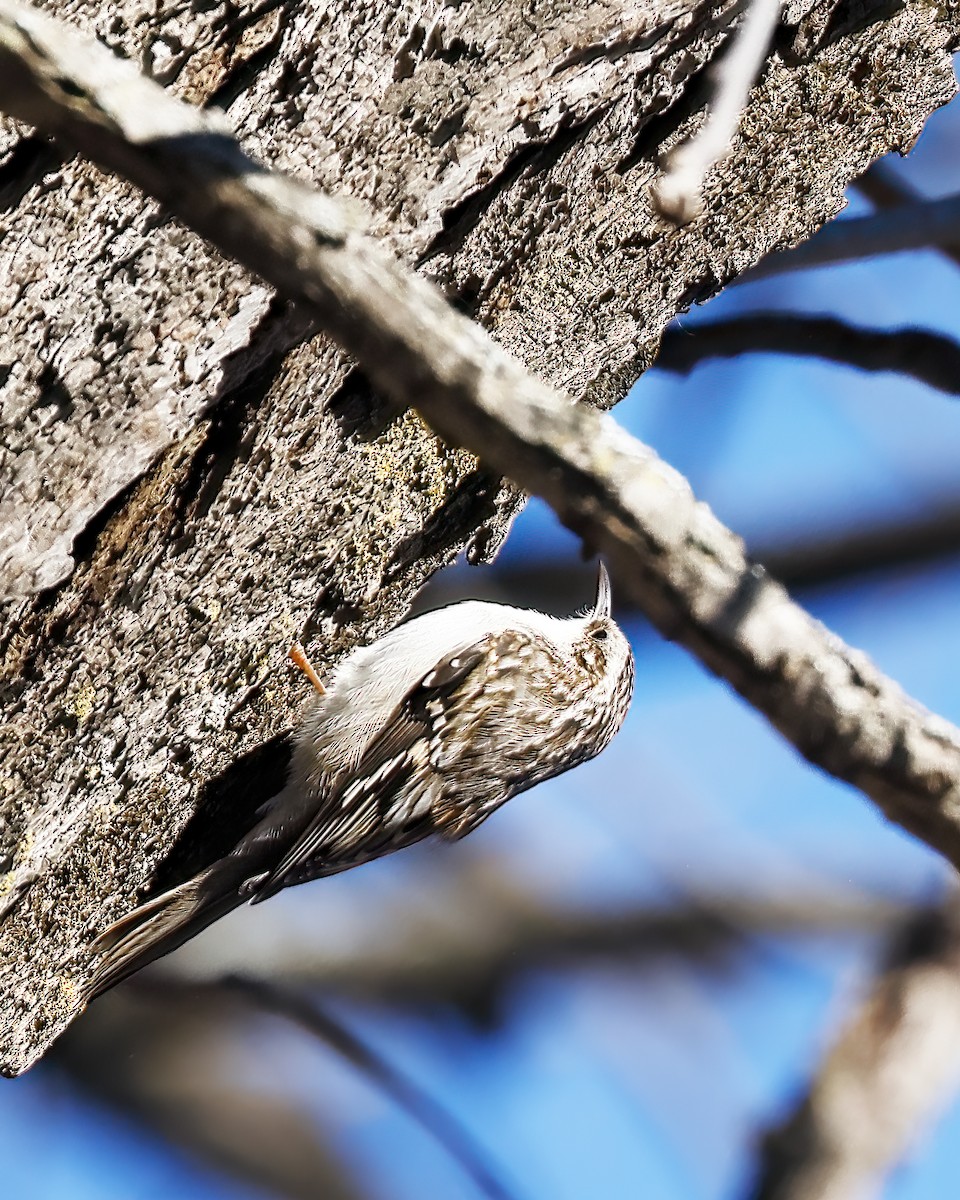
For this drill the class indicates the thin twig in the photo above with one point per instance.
(886, 188)
(928, 357)
(689, 573)
(929, 224)
(678, 193)
(438, 1121)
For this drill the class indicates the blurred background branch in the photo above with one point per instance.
(891, 1072)
(469, 939)
(887, 188)
(171, 1065)
(295, 1006)
(921, 225)
(927, 357)
(174, 1052)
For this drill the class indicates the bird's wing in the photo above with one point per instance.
(378, 808)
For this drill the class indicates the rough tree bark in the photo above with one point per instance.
(191, 478)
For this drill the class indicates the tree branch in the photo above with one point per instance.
(678, 193)
(885, 188)
(928, 224)
(892, 1070)
(927, 357)
(432, 1116)
(166, 1062)
(830, 559)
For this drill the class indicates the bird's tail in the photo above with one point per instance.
(164, 923)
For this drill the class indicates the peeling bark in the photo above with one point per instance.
(192, 479)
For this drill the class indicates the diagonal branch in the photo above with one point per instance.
(689, 573)
(678, 193)
(893, 1069)
(927, 224)
(422, 1107)
(165, 1062)
(928, 357)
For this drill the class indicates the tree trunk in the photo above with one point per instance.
(192, 478)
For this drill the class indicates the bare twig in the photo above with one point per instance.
(828, 557)
(928, 357)
(438, 1121)
(928, 224)
(893, 1069)
(885, 188)
(689, 573)
(167, 1063)
(678, 193)
(906, 221)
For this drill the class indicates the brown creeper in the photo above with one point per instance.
(427, 730)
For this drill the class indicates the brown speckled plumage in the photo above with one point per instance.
(427, 731)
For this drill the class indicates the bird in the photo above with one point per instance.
(427, 730)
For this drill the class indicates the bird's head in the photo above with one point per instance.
(602, 648)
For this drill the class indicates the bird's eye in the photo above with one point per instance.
(600, 635)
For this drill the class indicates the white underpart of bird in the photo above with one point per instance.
(425, 731)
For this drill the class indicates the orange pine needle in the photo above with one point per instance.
(299, 657)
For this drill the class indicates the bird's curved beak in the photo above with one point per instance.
(602, 606)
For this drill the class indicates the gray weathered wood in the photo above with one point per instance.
(231, 482)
